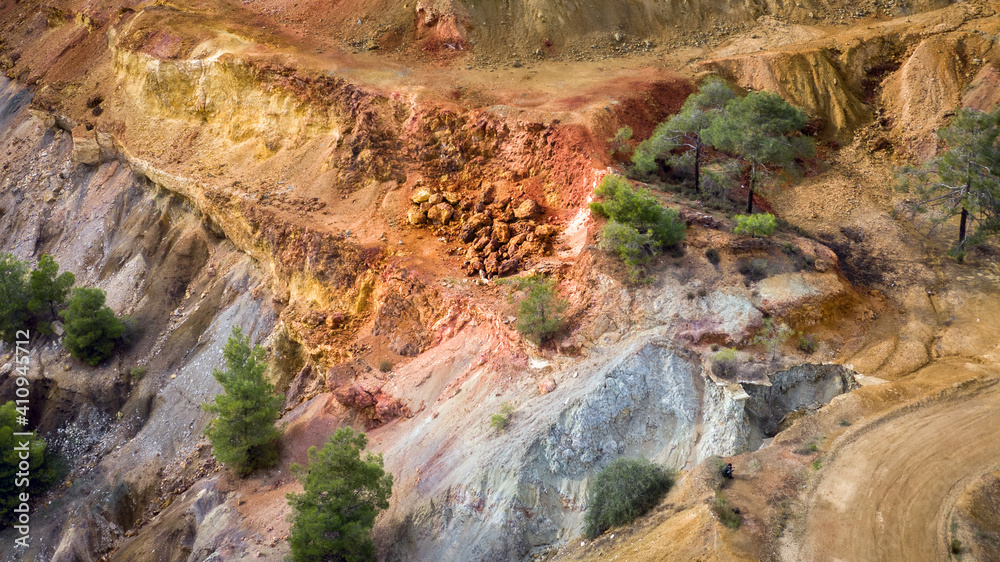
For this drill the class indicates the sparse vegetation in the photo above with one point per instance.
(712, 255)
(963, 180)
(799, 259)
(753, 270)
(91, 327)
(755, 226)
(31, 299)
(385, 365)
(137, 373)
(540, 312)
(243, 434)
(807, 448)
(725, 513)
(341, 495)
(772, 335)
(623, 491)
(618, 144)
(638, 226)
(501, 420)
(44, 467)
(132, 331)
(725, 363)
(807, 343)
(14, 295)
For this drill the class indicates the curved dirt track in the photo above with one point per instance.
(887, 493)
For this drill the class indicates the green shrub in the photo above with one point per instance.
(91, 327)
(640, 210)
(807, 448)
(725, 513)
(755, 225)
(807, 343)
(623, 491)
(342, 495)
(754, 270)
(48, 290)
(638, 227)
(385, 365)
(14, 296)
(712, 255)
(772, 335)
(725, 363)
(501, 420)
(45, 468)
(619, 144)
(540, 312)
(132, 331)
(243, 434)
(633, 248)
(955, 546)
(137, 373)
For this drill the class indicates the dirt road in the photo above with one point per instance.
(886, 492)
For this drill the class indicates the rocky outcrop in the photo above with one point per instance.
(527, 489)
(809, 80)
(159, 262)
(793, 390)
(504, 234)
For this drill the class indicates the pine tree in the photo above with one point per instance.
(14, 313)
(342, 494)
(963, 180)
(243, 435)
(91, 327)
(763, 129)
(48, 290)
(540, 313)
(685, 129)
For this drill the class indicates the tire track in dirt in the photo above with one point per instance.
(886, 492)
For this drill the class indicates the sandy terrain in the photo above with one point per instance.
(888, 488)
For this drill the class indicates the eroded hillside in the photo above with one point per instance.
(348, 180)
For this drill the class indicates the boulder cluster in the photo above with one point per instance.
(502, 232)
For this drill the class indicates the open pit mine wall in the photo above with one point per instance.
(472, 494)
(178, 261)
(158, 260)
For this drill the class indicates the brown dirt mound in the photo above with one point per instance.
(977, 520)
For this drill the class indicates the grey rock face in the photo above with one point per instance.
(802, 386)
(635, 406)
